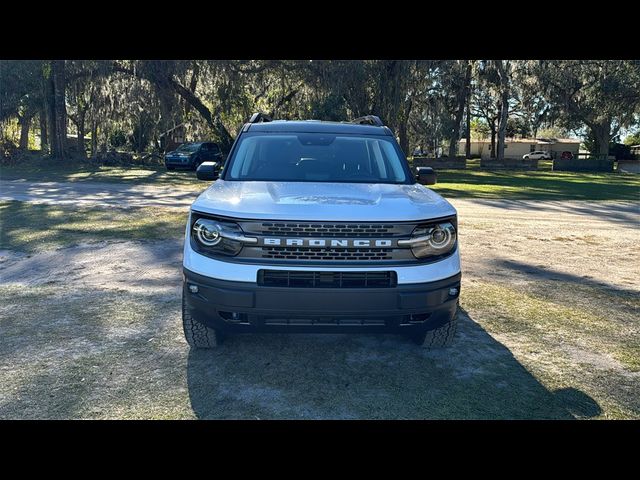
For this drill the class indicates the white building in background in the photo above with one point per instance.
(517, 147)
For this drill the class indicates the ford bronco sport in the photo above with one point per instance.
(319, 227)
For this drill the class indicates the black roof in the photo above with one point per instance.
(316, 126)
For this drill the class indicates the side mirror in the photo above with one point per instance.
(426, 175)
(208, 171)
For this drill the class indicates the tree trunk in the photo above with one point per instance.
(140, 126)
(44, 139)
(167, 108)
(25, 124)
(94, 138)
(58, 110)
(602, 136)
(81, 131)
(504, 104)
(467, 146)
(492, 126)
(50, 109)
(404, 138)
(402, 128)
(502, 124)
(462, 95)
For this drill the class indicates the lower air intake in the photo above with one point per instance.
(305, 279)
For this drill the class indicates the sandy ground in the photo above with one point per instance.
(510, 240)
(506, 240)
(97, 193)
(111, 346)
(498, 237)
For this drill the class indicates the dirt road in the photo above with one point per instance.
(98, 193)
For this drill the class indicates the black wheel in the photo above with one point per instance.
(197, 334)
(196, 164)
(171, 168)
(440, 337)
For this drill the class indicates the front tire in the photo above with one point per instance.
(197, 334)
(441, 337)
(171, 168)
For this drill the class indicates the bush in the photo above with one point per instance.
(117, 139)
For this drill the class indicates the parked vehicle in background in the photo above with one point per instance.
(319, 227)
(190, 155)
(537, 155)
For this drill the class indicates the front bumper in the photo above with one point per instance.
(178, 162)
(248, 307)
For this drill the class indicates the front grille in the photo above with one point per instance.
(335, 230)
(304, 279)
(308, 253)
(331, 230)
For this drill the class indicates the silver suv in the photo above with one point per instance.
(319, 227)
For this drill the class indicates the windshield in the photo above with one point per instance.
(317, 157)
(188, 147)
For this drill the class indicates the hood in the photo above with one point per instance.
(322, 201)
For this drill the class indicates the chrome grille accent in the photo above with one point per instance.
(284, 229)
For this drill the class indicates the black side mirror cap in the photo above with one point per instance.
(208, 171)
(426, 175)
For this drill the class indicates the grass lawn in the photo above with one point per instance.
(537, 185)
(471, 183)
(106, 353)
(31, 227)
(38, 169)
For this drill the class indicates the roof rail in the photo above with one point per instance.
(259, 117)
(369, 120)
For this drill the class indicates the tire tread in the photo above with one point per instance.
(197, 334)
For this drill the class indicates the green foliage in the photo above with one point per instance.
(633, 139)
(118, 138)
(479, 129)
(517, 127)
(20, 87)
(130, 103)
(552, 132)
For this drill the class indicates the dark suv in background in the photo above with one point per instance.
(190, 155)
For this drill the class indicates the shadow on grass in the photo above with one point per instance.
(90, 353)
(550, 274)
(538, 185)
(28, 227)
(48, 170)
(372, 377)
(625, 214)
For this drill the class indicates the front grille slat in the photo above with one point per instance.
(314, 279)
(349, 254)
(327, 230)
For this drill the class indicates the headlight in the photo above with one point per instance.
(207, 232)
(433, 240)
(212, 236)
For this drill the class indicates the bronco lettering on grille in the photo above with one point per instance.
(326, 242)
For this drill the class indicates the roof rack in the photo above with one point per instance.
(369, 120)
(260, 117)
